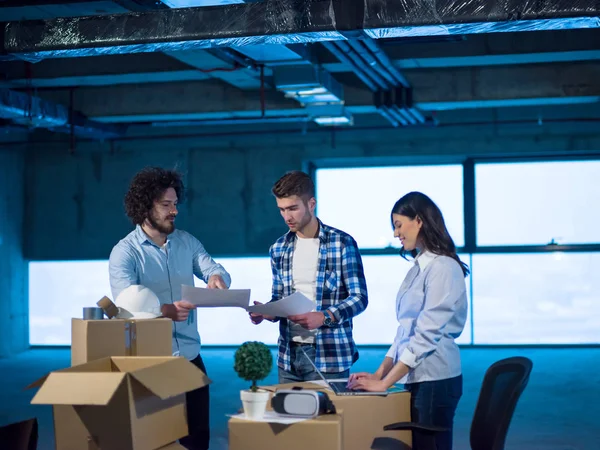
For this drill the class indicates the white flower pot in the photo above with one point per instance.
(255, 403)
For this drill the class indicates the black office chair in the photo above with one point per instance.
(19, 436)
(501, 389)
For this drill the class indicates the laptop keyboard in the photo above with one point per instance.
(341, 386)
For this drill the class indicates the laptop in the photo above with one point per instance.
(340, 387)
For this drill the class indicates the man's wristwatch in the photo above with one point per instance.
(328, 321)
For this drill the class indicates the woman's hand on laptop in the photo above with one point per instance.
(357, 380)
(354, 378)
(363, 375)
(367, 384)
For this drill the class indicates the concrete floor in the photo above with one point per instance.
(559, 410)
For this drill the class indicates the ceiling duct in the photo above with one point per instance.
(315, 89)
(287, 22)
(330, 115)
(34, 112)
(393, 96)
(308, 84)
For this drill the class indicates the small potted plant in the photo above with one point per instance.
(253, 362)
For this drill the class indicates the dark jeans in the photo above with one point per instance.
(302, 369)
(198, 404)
(434, 403)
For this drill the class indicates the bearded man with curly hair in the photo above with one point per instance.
(157, 255)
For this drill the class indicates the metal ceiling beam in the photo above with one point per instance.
(48, 10)
(476, 50)
(434, 90)
(132, 5)
(286, 22)
(71, 76)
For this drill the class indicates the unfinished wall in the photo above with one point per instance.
(14, 324)
(74, 202)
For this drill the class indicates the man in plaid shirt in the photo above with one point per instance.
(324, 264)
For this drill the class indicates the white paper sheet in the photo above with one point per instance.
(297, 303)
(271, 417)
(215, 298)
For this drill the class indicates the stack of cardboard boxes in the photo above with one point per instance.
(358, 425)
(123, 391)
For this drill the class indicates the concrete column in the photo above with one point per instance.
(14, 307)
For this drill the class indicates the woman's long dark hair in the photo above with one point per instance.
(433, 235)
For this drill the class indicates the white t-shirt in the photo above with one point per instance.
(304, 274)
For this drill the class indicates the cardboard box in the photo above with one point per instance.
(365, 417)
(120, 403)
(95, 339)
(322, 433)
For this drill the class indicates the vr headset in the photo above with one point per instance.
(302, 403)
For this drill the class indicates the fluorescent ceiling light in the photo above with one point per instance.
(291, 92)
(334, 120)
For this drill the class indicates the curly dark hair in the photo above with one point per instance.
(148, 186)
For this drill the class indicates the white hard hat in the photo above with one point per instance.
(138, 302)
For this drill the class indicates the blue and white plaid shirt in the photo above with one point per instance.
(341, 289)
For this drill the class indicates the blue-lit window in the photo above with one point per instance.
(538, 203)
(58, 291)
(536, 298)
(232, 326)
(525, 298)
(384, 275)
(359, 200)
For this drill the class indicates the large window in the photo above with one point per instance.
(59, 290)
(384, 275)
(521, 290)
(538, 203)
(537, 298)
(359, 201)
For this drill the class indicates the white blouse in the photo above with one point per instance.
(431, 308)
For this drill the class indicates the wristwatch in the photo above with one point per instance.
(328, 321)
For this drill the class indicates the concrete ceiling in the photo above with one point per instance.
(533, 70)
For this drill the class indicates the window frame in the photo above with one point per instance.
(470, 247)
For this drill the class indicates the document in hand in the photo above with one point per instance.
(215, 298)
(297, 303)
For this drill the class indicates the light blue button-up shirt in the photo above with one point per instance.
(431, 308)
(138, 260)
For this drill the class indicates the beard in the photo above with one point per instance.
(303, 222)
(163, 226)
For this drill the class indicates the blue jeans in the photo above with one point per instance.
(434, 403)
(302, 369)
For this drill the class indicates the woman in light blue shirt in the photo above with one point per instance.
(431, 308)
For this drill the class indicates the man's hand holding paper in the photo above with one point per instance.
(292, 305)
(310, 320)
(257, 318)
